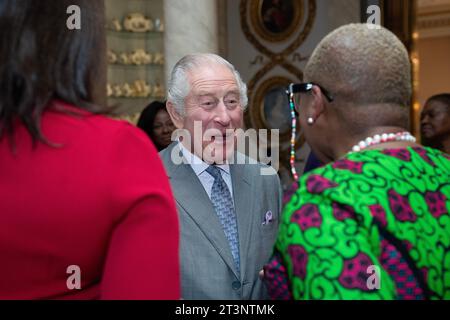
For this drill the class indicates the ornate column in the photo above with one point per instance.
(190, 26)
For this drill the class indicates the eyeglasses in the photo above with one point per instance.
(306, 87)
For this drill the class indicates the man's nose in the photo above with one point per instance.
(222, 114)
(424, 120)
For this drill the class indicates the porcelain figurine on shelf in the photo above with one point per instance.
(142, 89)
(117, 91)
(128, 91)
(139, 57)
(158, 90)
(148, 58)
(124, 58)
(112, 57)
(115, 25)
(159, 25)
(109, 90)
(158, 58)
(137, 22)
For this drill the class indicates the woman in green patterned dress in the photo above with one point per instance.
(374, 223)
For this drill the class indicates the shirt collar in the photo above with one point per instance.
(197, 164)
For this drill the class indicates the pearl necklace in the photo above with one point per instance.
(383, 138)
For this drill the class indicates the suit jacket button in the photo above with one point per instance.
(236, 285)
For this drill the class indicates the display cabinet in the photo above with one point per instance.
(135, 30)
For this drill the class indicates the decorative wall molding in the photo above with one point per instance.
(267, 87)
(433, 18)
(433, 6)
(274, 58)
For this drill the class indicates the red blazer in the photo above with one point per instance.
(98, 199)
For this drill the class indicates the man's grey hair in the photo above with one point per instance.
(178, 84)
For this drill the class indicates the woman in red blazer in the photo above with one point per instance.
(86, 210)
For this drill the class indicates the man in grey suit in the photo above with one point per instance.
(229, 210)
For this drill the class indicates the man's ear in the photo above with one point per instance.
(318, 105)
(177, 119)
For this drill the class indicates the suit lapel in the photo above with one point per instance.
(243, 207)
(192, 197)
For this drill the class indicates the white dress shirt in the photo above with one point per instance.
(199, 167)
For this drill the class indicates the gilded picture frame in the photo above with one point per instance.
(271, 108)
(276, 20)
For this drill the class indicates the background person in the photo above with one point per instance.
(435, 122)
(156, 123)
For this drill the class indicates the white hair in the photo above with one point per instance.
(178, 84)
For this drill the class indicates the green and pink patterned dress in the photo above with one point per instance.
(373, 225)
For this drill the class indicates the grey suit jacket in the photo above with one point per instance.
(207, 267)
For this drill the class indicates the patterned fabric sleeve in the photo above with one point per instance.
(276, 279)
(373, 225)
(327, 254)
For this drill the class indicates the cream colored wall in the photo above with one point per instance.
(434, 72)
(330, 14)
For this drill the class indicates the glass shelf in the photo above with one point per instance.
(137, 98)
(134, 66)
(128, 34)
(124, 41)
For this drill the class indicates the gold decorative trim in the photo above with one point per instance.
(275, 59)
(255, 115)
(258, 111)
(437, 22)
(259, 25)
(432, 14)
(259, 120)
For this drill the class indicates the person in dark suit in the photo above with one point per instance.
(228, 209)
(86, 210)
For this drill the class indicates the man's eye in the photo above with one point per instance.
(207, 103)
(231, 102)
